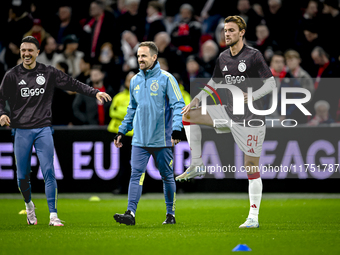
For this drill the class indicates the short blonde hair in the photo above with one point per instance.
(151, 45)
(320, 103)
(238, 20)
(292, 54)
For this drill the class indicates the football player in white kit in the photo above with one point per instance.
(241, 66)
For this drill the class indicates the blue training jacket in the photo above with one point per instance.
(155, 108)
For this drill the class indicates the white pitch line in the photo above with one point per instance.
(194, 196)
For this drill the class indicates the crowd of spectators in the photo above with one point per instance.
(96, 42)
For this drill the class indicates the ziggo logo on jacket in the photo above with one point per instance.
(26, 92)
(234, 79)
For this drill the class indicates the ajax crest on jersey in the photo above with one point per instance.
(40, 79)
(154, 86)
(242, 66)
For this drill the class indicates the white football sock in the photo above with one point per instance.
(29, 205)
(255, 195)
(194, 137)
(53, 214)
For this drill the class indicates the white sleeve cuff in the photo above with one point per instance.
(212, 84)
(268, 86)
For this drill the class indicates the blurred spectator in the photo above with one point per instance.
(163, 63)
(311, 33)
(194, 72)
(2, 68)
(292, 111)
(12, 53)
(71, 55)
(250, 17)
(264, 42)
(331, 7)
(293, 61)
(313, 26)
(102, 28)
(187, 32)
(62, 101)
(164, 66)
(154, 21)
(119, 105)
(2, 73)
(211, 16)
(48, 53)
(111, 65)
(37, 31)
(310, 14)
(220, 38)
(119, 8)
(33, 10)
(44, 10)
(88, 110)
(130, 45)
(310, 41)
(278, 69)
(312, 9)
(326, 85)
(284, 79)
(85, 69)
(118, 109)
(321, 59)
(19, 21)
(142, 6)
(278, 29)
(169, 52)
(171, 7)
(209, 55)
(64, 26)
(321, 114)
(258, 8)
(330, 20)
(106, 53)
(277, 66)
(132, 20)
(194, 69)
(186, 96)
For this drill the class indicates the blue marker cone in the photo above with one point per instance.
(242, 247)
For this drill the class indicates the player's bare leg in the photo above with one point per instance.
(195, 116)
(191, 119)
(255, 191)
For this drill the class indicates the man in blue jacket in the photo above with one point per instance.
(154, 112)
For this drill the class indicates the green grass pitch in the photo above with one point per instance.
(206, 224)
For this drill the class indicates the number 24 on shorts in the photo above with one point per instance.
(252, 138)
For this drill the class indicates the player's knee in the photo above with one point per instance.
(136, 172)
(251, 167)
(23, 178)
(186, 117)
(167, 176)
(48, 174)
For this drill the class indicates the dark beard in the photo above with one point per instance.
(150, 66)
(145, 68)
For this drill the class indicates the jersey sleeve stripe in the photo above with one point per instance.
(174, 87)
(177, 92)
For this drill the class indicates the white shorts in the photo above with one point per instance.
(248, 139)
